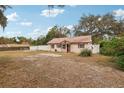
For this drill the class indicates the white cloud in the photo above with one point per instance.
(69, 27)
(52, 12)
(100, 18)
(119, 12)
(50, 27)
(12, 16)
(35, 33)
(38, 32)
(72, 5)
(13, 34)
(26, 23)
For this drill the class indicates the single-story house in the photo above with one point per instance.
(74, 44)
(7, 47)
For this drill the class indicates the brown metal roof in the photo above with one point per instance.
(79, 39)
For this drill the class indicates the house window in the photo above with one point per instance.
(52, 46)
(80, 45)
(63, 46)
(59, 45)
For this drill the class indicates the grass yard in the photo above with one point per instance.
(36, 69)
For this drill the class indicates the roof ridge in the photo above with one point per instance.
(73, 37)
(86, 38)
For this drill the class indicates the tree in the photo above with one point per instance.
(22, 39)
(118, 27)
(99, 25)
(78, 32)
(65, 31)
(106, 24)
(54, 32)
(4, 40)
(88, 24)
(40, 41)
(3, 19)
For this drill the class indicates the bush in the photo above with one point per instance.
(107, 51)
(114, 47)
(120, 62)
(85, 53)
(120, 52)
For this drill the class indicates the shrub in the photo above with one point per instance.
(114, 47)
(120, 52)
(120, 47)
(120, 62)
(85, 53)
(107, 51)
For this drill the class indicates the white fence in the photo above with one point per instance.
(41, 47)
(94, 48)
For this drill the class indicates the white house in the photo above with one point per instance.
(74, 44)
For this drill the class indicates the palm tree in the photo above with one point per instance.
(3, 19)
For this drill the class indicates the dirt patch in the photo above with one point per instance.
(46, 54)
(50, 54)
(49, 70)
(37, 56)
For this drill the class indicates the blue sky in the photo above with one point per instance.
(33, 20)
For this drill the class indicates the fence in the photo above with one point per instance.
(41, 47)
(93, 47)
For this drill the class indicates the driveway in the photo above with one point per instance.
(56, 70)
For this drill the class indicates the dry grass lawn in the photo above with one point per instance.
(34, 69)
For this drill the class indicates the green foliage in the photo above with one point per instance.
(96, 39)
(40, 41)
(99, 25)
(85, 53)
(107, 48)
(120, 62)
(22, 39)
(3, 19)
(120, 47)
(4, 40)
(114, 47)
(54, 32)
(14, 40)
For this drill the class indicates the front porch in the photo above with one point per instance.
(61, 47)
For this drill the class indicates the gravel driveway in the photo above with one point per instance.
(59, 71)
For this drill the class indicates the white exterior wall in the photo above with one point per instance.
(94, 48)
(60, 49)
(41, 47)
(55, 48)
(74, 48)
(51, 49)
